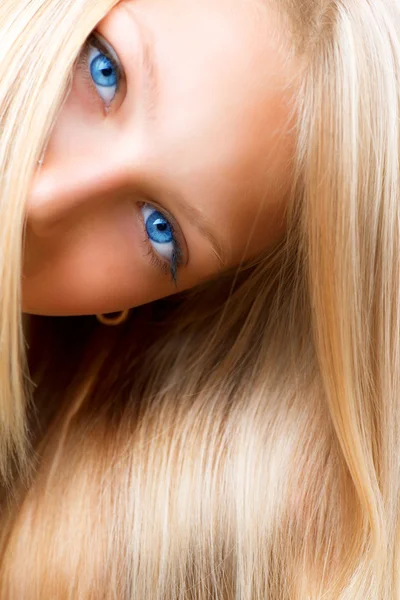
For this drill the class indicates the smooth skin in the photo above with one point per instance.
(198, 128)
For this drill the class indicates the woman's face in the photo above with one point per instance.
(170, 160)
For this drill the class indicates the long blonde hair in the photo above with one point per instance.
(242, 440)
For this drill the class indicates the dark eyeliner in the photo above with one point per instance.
(177, 258)
(95, 41)
(175, 262)
(177, 255)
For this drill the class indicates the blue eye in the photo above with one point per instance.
(105, 74)
(159, 232)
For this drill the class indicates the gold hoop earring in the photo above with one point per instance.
(112, 319)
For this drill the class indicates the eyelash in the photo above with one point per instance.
(93, 41)
(167, 267)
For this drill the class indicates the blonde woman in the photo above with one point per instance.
(218, 182)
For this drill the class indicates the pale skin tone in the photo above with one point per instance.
(197, 128)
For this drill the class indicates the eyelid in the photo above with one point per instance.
(102, 44)
(167, 267)
(96, 40)
(176, 229)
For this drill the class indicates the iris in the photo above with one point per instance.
(162, 237)
(103, 71)
(158, 229)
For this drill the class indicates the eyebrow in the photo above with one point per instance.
(148, 64)
(200, 222)
(150, 76)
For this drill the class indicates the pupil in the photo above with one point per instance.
(162, 226)
(106, 72)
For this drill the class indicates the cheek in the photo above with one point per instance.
(260, 218)
(77, 125)
(264, 178)
(98, 265)
(267, 228)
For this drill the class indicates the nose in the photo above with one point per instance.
(73, 185)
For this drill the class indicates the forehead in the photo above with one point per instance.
(220, 132)
(211, 57)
